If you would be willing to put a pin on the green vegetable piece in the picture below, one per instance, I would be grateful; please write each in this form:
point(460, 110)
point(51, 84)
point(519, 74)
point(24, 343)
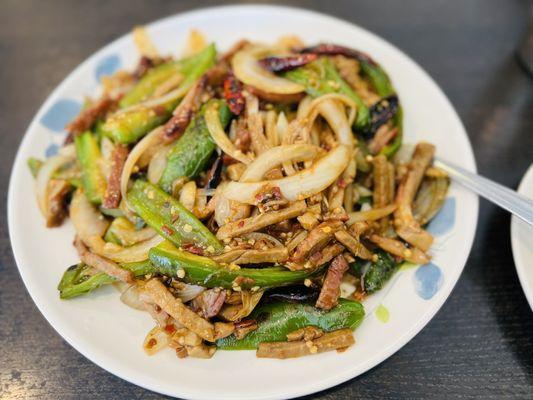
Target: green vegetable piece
point(320, 77)
point(191, 153)
point(34, 164)
point(169, 218)
point(383, 86)
point(375, 274)
point(129, 125)
point(77, 280)
point(88, 154)
point(278, 319)
point(208, 273)
point(160, 74)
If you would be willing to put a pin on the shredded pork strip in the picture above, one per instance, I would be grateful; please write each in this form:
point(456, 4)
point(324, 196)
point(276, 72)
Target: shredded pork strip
point(177, 310)
point(335, 340)
point(103, 264)
point(87, 118)
point(183, 113)
point(330, 292)
point(58, 189)
point(260, 221)
point(399, 249)
point(317, 239)
point(112, 193)
point(353, 245)
point(244, 256)
point(406, 226)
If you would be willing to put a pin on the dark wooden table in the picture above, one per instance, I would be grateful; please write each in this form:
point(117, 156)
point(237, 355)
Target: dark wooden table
point(480, 344)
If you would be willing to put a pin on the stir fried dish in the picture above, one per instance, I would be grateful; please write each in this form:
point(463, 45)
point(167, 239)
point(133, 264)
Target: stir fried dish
point(249, 199)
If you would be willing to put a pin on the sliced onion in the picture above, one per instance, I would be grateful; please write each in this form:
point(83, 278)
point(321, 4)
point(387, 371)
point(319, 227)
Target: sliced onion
point(335, 115)
point(189, 292)
point(146, 142)
point(270, 128)
point(119, 254)
point(248, 70)
point(281, 126)
point(144, 43)
point(175, 94)
point(188, 195)
point(90, 226)
point(299, 186)
point(131, 297)
point(126, 233)
point(87, 221)
point(227, 210)
point(304, 107)
point(214, 126)
point(157, 165)
point(371, 215)
point(254, 122)
point(44, 175)
point(276, 156)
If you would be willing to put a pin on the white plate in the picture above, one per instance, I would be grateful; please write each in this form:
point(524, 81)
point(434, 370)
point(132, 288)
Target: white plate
point(110, 334)
point(522, 241)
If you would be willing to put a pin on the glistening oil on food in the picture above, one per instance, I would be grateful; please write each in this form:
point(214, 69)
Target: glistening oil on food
point(230, 195)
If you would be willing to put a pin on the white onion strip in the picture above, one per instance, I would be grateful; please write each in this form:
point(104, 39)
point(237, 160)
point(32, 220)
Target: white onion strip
point(146, 142)
point(90, 226)
point(248, 70)
point(44, 175)
point(214, 127)
point(299, 186)
point(276, 156)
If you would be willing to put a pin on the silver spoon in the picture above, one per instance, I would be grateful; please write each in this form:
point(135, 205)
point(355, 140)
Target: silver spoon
point(500, 195)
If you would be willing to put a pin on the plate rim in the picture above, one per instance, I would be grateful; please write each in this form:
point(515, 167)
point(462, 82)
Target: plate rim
point(517, 257)
point(309, 388)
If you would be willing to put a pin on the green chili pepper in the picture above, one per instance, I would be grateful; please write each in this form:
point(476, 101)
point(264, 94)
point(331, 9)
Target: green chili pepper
point(76, 280)
point(208, 273)
point(320, 77)
point(278, 319)
point(383, 86)
point(191, 153)
point(88, 154)
point(374, 275)
point(129, 125)
point(162, 73)
point(169, 218)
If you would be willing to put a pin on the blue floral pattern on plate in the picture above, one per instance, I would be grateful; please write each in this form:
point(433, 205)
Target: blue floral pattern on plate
point(444, 220)
point(428, 280)
point(60, 114)
point(107, 66)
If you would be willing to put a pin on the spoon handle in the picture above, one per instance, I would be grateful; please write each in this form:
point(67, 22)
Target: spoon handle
point(500, 195)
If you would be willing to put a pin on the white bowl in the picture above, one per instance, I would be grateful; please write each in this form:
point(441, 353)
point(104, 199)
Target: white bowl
point(110, 334)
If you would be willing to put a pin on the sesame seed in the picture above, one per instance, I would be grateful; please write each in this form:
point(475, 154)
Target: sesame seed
point(187, 228)
point(308, 282)
point(150, 195)
point(237, 288)
point(255, 289)
point(210, 249)
point(326, 229)
point(313, 349)
point(180, 273)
